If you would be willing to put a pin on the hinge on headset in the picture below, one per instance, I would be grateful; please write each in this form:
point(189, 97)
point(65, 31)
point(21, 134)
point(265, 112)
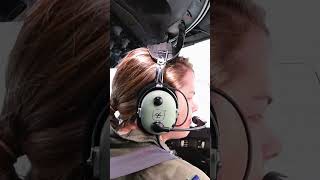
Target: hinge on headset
point(161, 62)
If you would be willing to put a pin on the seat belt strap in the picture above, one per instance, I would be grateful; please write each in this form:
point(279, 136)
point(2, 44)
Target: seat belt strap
point(138, 160)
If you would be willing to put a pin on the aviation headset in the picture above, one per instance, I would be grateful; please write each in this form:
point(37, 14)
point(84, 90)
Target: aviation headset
point(157, 102)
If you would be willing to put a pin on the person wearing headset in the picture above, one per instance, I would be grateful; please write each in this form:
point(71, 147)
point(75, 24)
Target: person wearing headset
point(56, 69)
point(134, 73)
point(239, 61)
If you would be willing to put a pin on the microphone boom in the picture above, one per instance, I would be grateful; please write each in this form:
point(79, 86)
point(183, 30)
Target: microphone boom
point(195, 119)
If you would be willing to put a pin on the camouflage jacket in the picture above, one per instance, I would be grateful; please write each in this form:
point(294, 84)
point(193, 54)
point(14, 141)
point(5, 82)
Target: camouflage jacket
point(176, 169)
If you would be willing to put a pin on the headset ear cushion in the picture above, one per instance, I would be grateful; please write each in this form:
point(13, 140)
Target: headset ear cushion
point(149, 113)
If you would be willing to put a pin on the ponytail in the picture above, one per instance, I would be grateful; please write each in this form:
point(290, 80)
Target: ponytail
point(114, 122)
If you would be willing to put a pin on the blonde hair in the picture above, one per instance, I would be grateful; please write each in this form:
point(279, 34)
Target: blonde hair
point(231, 21)
point(134, 72)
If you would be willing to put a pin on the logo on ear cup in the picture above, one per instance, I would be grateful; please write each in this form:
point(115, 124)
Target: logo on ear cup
point(158, 114)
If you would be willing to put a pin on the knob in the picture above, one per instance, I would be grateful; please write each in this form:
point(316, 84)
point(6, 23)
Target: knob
point(157, 101)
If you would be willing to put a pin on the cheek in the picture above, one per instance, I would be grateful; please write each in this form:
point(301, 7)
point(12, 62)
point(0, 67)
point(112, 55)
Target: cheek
point(233, 149)
point(182, 107)
point(233, 141)
point(257, 159)
point(257, 131)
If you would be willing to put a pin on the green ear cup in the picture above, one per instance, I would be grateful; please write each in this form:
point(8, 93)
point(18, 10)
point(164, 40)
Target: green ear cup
point(158, 106)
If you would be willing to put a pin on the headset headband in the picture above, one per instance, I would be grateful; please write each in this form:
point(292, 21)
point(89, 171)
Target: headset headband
point(169, 50)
